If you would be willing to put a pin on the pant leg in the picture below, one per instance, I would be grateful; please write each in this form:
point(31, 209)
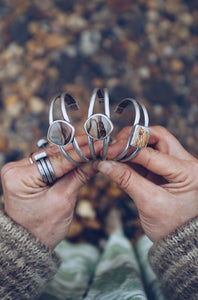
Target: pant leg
point(74, 275)
point(151, 283)
point(117, 275)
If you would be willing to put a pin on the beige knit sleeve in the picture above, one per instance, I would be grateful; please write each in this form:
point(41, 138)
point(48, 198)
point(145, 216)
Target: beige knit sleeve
point(175, 261)
point(25, 263)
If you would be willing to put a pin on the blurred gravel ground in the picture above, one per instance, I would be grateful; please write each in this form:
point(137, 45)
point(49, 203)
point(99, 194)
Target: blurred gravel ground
point(146, 49)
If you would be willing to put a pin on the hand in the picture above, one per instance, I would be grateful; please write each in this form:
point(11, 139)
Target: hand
point(162, 180)
point(45, 211)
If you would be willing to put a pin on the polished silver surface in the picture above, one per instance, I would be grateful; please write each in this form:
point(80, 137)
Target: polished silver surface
point(45, 168)
point(73, 106)
point(99, 126)
point(42, 143)
point(137, 130)
point(61, 132)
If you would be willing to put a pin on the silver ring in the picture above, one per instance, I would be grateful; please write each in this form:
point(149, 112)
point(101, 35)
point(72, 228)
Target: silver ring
point(99, 126)
point(30, 158)
point(45, 168)
point(42, 143)
point(61, 132)
point(139, 134)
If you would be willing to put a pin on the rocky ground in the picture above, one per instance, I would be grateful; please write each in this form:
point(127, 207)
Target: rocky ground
point(146, 49)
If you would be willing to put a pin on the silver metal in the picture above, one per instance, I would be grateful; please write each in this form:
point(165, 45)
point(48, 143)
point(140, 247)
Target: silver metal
point(42, 143)
point(74, 106)
point(136, 128)
point(30, 159)
point(98, 126)
point(45, 168)
point(64, 132)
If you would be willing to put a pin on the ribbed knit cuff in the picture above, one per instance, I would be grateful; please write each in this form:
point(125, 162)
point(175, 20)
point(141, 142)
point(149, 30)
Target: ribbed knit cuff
point(25, 263)
point(175, 261)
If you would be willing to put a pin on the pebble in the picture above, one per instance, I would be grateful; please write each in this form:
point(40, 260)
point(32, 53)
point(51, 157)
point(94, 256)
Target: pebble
point(37, 105)
point(84, 209)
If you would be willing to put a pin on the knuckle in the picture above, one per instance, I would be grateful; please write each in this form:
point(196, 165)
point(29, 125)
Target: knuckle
point(161, 129)
point(152, 154)
point(125, 179)
point(81, 175)
point(7, 170)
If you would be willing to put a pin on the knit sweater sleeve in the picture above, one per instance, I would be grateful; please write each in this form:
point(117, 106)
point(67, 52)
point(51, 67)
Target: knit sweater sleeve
point(25, 263)
point(175, 261)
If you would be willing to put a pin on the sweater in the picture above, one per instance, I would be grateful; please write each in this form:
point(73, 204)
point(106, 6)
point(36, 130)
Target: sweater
point(175, 262)
point(26, 265)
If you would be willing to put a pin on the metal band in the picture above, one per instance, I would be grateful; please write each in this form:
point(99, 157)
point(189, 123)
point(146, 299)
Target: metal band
point(45, 168)
point(50, 169)
point(71, 103)
point(130, 143)
point(42, 172)
point(30, 158)
point(69, 100)
point(99, 123)
point(42, 143)
point(98, 126)
point(68, 157)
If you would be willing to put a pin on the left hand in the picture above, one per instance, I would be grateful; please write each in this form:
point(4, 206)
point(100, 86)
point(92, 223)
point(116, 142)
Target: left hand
point(161, 179)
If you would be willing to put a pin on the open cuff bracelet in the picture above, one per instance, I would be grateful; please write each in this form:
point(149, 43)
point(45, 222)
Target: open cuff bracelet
point(98, 126)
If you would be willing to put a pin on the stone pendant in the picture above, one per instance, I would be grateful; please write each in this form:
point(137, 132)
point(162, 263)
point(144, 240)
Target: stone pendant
point(98, 126)
point(60, 133)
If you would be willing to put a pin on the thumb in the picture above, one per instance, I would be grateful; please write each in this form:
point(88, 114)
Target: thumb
point(71, 182)
point(139, 188)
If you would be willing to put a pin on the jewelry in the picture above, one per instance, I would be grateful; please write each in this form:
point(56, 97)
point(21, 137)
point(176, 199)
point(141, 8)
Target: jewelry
point(73, 106)
point(99, 126)
point(45, 168)
point(139, 135)
point(42, 143)
point(30, 158)
point(61, 132)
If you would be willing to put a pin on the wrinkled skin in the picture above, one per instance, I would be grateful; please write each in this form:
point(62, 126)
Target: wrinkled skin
point(162, 180)
point(45, 211)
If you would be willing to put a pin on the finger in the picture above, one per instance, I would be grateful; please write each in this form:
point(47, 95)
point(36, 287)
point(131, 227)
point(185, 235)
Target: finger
point(74, 181)
point(81, 140)
point(61, 166)
point(139, 188)
point(159, 139)
point(161, 163)
point(116, 148)
point(124, 133)
point(52, 150)
point(155, 161)
point(164, 141)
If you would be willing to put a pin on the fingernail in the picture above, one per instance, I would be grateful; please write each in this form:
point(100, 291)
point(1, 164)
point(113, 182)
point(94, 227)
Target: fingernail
point(104, 167)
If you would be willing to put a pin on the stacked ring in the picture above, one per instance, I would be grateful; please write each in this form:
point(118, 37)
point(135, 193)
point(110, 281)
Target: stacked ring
point(45, 168)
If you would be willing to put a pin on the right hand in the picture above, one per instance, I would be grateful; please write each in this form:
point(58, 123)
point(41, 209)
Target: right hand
point(162, 180)
point(46, 211)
